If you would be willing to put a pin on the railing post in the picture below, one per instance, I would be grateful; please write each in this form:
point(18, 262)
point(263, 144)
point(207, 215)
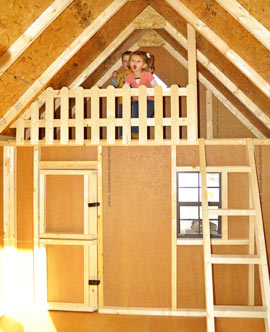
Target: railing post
point(158, 114)
point(192, 130)
point(111, 114)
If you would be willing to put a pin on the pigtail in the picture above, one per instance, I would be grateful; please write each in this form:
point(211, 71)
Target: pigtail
point(150, 62)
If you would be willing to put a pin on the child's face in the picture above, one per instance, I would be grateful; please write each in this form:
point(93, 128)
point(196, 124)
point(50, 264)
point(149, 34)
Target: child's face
point(137, 63)
point(125, 61)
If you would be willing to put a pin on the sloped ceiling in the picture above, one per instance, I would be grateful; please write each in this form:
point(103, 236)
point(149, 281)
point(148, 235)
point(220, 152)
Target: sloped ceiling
point(87, 36)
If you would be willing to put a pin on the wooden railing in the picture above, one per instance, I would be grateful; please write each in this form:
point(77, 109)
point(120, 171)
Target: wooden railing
point(89, 116)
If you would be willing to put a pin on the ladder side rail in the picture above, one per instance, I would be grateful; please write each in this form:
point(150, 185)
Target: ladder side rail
point(208, 275)
point(260, 239)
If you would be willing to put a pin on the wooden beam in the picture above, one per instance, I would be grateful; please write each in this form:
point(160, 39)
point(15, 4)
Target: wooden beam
point(40, 83)
point(105, 54)
point(258, 30)
point(224, 48)
point(31, 34)
point(209, 114)
point(221, 77)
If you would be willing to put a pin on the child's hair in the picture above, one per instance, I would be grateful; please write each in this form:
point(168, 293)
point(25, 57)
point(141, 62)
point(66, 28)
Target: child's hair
point(147, 58)
point(125, 53)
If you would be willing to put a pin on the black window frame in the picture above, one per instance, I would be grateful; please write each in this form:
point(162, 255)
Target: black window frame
point(198, 204)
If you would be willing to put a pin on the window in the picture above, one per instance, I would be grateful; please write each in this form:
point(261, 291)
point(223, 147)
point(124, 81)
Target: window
point(189, 210)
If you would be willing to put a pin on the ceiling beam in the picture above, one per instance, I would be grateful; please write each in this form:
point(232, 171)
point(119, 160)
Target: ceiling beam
point(224, 48)
point(32, 33)
point(39, 84)
point(258, 30)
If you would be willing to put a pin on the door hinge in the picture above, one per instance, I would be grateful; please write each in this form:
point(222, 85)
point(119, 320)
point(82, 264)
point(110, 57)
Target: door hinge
point(93, 204)
point(93, 282)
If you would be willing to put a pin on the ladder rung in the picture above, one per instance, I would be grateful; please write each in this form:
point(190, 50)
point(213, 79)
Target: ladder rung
point(240, 311)
point(232, 212)
point(235, 259)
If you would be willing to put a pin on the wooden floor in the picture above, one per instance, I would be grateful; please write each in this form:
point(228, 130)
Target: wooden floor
point(58, 321)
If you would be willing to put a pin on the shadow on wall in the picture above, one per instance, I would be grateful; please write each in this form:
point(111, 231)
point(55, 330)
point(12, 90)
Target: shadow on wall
point(8, 324)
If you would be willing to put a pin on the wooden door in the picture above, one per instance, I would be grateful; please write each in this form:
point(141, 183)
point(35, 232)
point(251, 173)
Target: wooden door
point(67, 263)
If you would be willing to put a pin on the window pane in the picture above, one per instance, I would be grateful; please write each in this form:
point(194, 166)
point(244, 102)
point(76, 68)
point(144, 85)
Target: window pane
point(212, 179)
point(214, 226)
point(187, 194)
point(211, 207)
point(189, 227)
point(188, 179)
point(189, 212)
point(213, 194)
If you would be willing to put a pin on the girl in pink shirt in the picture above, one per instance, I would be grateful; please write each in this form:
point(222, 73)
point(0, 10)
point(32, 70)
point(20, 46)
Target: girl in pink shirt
point(142, 66)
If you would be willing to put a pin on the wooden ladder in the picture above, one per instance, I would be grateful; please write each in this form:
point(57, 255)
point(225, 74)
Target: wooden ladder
point(260, 258)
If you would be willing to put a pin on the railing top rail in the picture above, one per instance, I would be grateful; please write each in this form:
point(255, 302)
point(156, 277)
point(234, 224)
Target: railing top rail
point(134, 92)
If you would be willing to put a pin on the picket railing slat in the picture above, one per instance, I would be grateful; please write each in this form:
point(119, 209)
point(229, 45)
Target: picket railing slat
point(158, 115)
point(49, 112)
point(64, 105)
point(79, 104)
point(142, 114)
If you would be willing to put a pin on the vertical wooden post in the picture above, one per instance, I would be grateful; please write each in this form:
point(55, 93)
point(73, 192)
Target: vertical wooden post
point(20, 132)
point(208, 276)
point(209, 114)
point(192, 74)
point(10, 227)
point(100, 231)
point(174, 228)
point(251, 251)
point(224, 197)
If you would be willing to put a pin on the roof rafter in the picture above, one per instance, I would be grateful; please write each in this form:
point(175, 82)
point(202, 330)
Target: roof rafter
point(37, 86)
point(224, 48)
point(221, 77)
point(32, 33)
point(258, 30)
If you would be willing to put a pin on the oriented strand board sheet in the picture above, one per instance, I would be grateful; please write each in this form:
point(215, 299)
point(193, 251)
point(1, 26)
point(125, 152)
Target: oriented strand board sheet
point(187, 155)
point(137, 226)
point(16, 17)
point(70, 153)
point(64, 204)
point(65, 273)
point(226, 155)
point(190, 277)
point(260, 9)
point(25, 195)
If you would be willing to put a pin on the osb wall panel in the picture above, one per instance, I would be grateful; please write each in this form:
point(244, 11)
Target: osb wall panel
point(98, 43)
point(1, 200)
point(233, 33)
point(64, 208)
point(25, 196)
point(50, 44)
point(259, 9)
point(226, 124)
point(69, 153)
point(137, 226)
point(65, 273)
point(16, 17)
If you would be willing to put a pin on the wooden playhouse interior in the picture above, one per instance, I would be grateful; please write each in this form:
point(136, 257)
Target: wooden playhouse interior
point(90, 230)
